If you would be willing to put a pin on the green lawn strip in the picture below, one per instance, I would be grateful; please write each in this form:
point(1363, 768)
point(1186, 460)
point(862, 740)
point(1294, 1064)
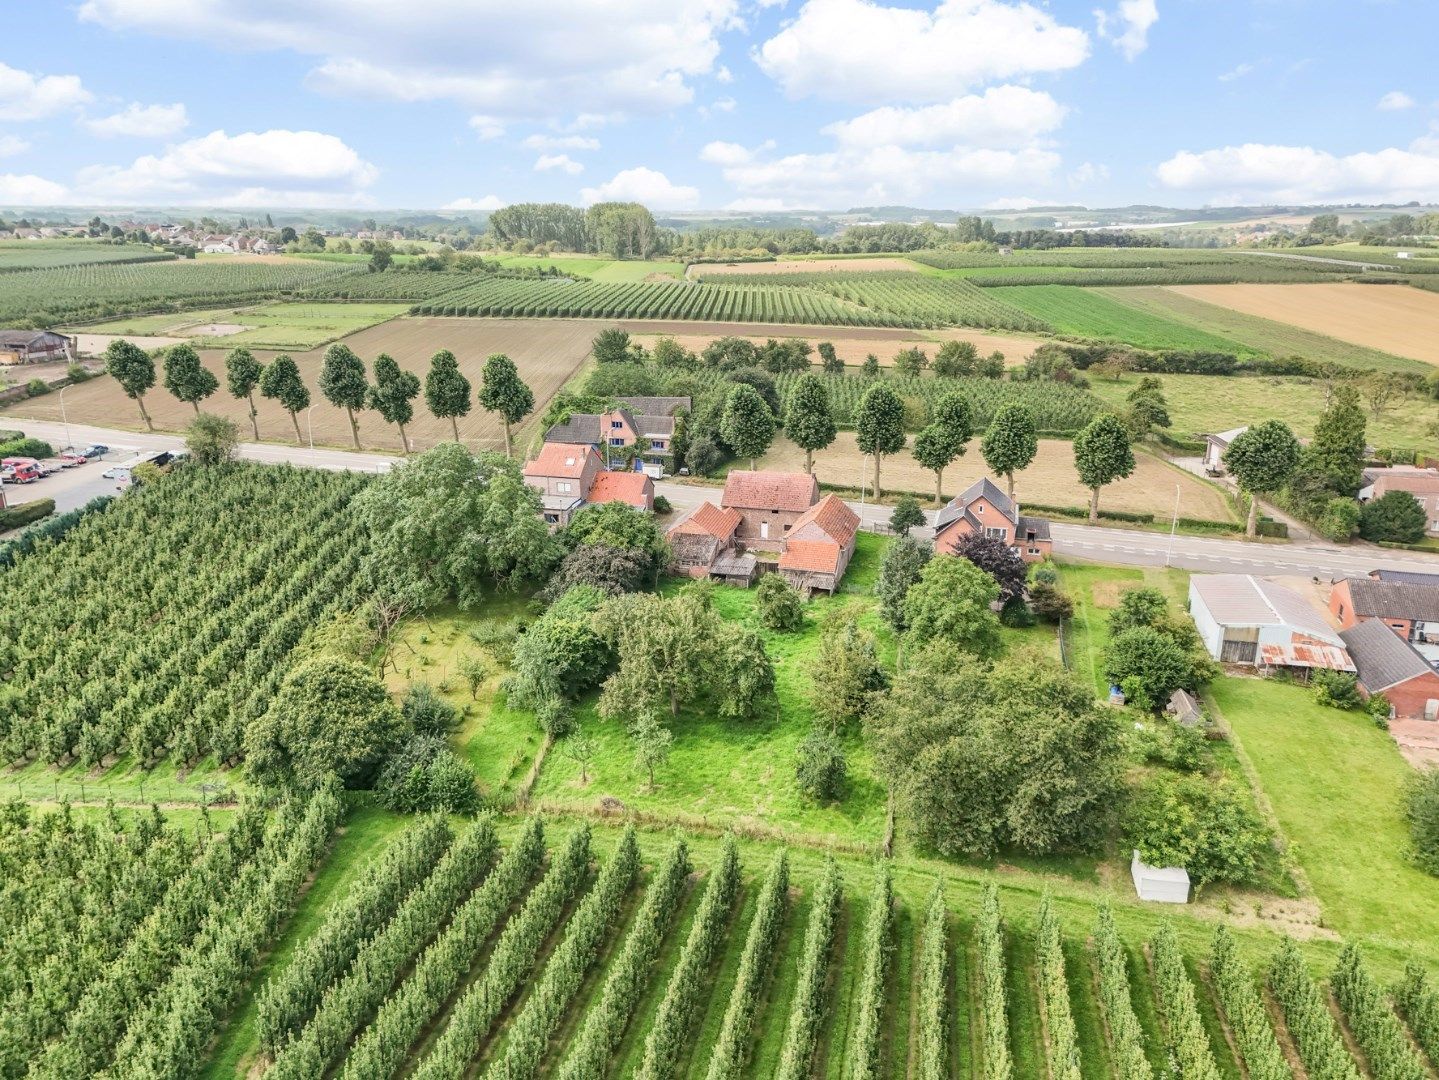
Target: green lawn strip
point(767, 1040)
point(830, 1060)
point(962, 1029)
point(1071, 309)
point(899, 994)
point(1026, 1036)
point(1094, 1060)
point(366, 830)
point(706, 1030)
point(1087, 634)
point(1334, 780)
point(1146, 1007)
point(1224, 1054)
point(631, 1050)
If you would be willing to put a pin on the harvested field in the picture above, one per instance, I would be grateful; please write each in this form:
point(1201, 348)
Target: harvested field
point(1051, 480)
point(547, 352)
point(802, 266)
point(852, 350)
point(1392, 318)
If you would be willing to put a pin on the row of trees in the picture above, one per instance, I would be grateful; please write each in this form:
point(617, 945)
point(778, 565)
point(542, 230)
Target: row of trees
point(343, 382)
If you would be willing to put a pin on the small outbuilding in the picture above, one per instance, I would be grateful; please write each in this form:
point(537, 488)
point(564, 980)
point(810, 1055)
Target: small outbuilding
point(1184, 707)
point(1244, 619)
point(1161, 884)
point(35, 347)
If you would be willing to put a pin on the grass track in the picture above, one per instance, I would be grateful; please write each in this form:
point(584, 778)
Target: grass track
point(899, 994)
point(846, 969)
point(962, 1059)
point(1146, 1008)
point(767, 1040)
point(705, 1032)
point(1026, 1035)
point(1224, 1055)
point(1094, 1060)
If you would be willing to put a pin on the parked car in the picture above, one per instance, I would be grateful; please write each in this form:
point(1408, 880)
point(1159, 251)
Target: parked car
point(94, 450)
point(19, 470)
point(49, 466)
point(71, 459)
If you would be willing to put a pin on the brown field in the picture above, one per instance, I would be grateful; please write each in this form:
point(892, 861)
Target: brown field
point(1050, 480)
point(547, 351)
point(1393, 318)
point(803, 266)
point(851, 343)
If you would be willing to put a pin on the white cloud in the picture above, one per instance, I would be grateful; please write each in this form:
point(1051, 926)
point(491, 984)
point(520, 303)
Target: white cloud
point(1002, 116)
point(1395, 100)
point(545, 59)
point(643, 185)
point(487, 127)
point(561, 142)
point(857, 50)
point(724, 74)
point(1238, 71)
point(487, 204)
point(1256, 172)
point(141, 121)
point(563, 162)
point(1127, 26)
point(1086, 173)
point(29, 190)
point(10, 145)
point(26, 96)
point(725, 153)
point(292, 168)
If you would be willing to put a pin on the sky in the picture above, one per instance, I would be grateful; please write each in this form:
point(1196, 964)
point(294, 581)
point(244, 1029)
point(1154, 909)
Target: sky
point(749, 105)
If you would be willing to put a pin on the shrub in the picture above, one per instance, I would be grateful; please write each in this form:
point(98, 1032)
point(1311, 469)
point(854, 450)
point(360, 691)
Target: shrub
point(14, 517)
point(780, 606)
point(1421, 806)
point(1395, 517)
point(1336, 689)
point(1049, 603)
point(20, 446)
point(1379, 707)
point(1171, 744)
point(820, 766)
point(426, 712)
point(37, 387)
point(1159, 664)
point(662, 505)
point(1340, 519)
point(424, 775)
point(704, 456)
point(78, 373)
point(1207, 827)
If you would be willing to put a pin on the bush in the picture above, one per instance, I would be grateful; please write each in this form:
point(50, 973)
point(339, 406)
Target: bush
point(15, 516)
point(1205, 826)
point(1421, 806)
point(1340, 519)
point(704, 456)
point(37, 387)
point(1016, 614)
point(1336, 689)
point(662, 505)
point(1049, 603)
point(1379, 707)
point(78, 373)
point(1167, 742)
point(819, 765)
point(20, 446)
point(426, 712)
point(424, 775)
point(780, 606)
point(1395, 517)
point(1159, 664)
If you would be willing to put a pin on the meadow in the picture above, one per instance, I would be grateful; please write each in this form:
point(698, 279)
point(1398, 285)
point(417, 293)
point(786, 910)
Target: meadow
point(1086, 313)
point(285, 325)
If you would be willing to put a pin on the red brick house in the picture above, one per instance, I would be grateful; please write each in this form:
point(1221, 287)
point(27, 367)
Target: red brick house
point(703, 545)
point(1423, 484)
point(569, 477)
point(1410, 610)
point(1389, 665)
point(769, 504)
point(982, 508)
point(819, 546)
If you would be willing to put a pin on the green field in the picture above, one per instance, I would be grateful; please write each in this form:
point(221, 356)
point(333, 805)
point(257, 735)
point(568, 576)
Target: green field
point(1081, 312)
point(18, 255)
point(294, 326)
point(1199, 404)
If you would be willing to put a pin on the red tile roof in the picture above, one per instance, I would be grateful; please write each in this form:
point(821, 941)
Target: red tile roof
point(810, 556)
point(559, 459)
point(770, 491)
point(833, 516)
point(709, 520)
point(633, 488)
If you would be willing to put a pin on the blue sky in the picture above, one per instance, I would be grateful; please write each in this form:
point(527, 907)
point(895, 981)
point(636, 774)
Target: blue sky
point(714, 104)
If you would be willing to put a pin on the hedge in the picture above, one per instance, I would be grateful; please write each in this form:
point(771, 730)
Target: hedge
point(25, 447)
point(15, 516)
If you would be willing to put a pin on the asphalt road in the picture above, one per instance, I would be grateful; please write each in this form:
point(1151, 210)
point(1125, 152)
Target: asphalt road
point(1129, 547)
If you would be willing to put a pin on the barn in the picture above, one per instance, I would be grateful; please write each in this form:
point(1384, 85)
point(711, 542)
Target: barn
point(1391, 666)
point(35, 347)
point(1243, 619)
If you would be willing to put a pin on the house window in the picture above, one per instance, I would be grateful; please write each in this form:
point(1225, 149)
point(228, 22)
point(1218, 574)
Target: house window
point(657, 444)
point(1341, 611)
point(1034, 551)
point(617, 442)
point(617, 423)
point(564, 487)
point(764, 530)
point(998, 534)
point(979, 508)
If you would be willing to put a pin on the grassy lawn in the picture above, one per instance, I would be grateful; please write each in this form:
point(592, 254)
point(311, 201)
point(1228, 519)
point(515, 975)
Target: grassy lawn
point(272, 326)
point(1095, 591)
point(1082, 312)
point(1202, 403)
point(1334, 779)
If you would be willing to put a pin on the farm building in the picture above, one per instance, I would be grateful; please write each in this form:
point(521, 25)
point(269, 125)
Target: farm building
point(1412, 577)
point(703, 544)
point(1423, 484)
point(983, 508)
point(1243, 619)
point(35, 347)
point(769, 504)
point(1214, 447)
point(1411, 611)
point(1389, 665)
point(652, 419)
point(819, 546)
point(569, 478)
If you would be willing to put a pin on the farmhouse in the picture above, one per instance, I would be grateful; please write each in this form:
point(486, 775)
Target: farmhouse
point(35, 347)
point(982, 508)
point(1389, 665)
point(1411, 611)
point(1243, 619)
point(703, 544)
point(651, 421)
point(769, 504)
point(1423, 484)
point(819, 546)
point(571, 477)
point(1214, 447)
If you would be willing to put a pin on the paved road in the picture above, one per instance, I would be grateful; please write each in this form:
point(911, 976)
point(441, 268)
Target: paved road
point(1127, 547)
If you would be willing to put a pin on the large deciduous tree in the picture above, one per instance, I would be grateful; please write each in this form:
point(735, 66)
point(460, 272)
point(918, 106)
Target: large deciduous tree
point(342, 381)
point(998, 560)
point(879, 426)
point(447, 392)
point(935, 449)
point(393, 393)
point(951, 602)
point(1010, 443)
point(131, 367)
point(187, 378)
point(1262, 459)
point(1102, 455)
point(1336, 453)
point(747, 423)
point(242, 376)
point(281, 382)
point(503, 392)
point(899, 569)
point(809, 417)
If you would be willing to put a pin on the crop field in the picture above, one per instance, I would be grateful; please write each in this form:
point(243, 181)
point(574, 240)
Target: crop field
point(391, 285)
point(1256, 334)
point(1050, 481)
point(1419, 261)
point(863, 264)
point(547, 354)
point(1127, 266)
point(47, 254)
point(267, 326)
point(1391, 318)
point(56, 297)
point(849, 347)
point(1086, 313)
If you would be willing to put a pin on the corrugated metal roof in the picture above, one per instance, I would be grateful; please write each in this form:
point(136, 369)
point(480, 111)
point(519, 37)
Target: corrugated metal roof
point(1306, 655)
point(1245, 600)
point(1394, 599)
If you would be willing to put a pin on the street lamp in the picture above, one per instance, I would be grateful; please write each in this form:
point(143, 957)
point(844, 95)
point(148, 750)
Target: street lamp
point(69, 445)
point(1173, 527)
point(310, 426)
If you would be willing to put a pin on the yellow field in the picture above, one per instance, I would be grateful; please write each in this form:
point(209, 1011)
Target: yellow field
point(1393, 318)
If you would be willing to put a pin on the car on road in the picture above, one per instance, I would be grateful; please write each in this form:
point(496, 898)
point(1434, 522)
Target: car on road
point(20, 470)
point(71, 459)
point(94, 450)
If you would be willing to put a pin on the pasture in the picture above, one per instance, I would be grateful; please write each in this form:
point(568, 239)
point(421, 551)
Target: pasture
point(1050, 481)
point(1392, 318)
point(547, 354)
point(1086, 313)
point(293, 325)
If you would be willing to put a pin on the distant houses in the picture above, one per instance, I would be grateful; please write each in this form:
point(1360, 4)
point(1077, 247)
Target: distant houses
point(1214, 447)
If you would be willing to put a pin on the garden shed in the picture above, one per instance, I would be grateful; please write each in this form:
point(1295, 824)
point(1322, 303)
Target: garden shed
point(1162, 884)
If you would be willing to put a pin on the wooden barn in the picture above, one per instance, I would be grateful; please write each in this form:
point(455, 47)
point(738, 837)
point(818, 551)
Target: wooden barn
point(35, 347)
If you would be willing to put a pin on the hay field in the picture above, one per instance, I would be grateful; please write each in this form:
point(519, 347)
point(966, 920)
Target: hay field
point(1392, 318)
point(850, 347)
point(547, 351)
point(1051, 480)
